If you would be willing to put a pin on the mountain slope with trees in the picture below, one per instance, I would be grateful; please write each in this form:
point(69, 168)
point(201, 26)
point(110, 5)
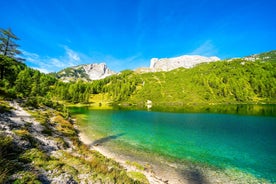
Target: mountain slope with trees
point(234, 81)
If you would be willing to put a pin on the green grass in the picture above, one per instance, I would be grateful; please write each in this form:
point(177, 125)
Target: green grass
point(136, 165)
point(26, 177)
point(4, 106)
point(64, 126)
point(36, 156)
point(9, 157)
point(6, 165)
point(22, 132)
point(137, 176)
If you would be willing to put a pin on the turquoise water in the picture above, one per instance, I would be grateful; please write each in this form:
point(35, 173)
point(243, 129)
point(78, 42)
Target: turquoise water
point(247, 143)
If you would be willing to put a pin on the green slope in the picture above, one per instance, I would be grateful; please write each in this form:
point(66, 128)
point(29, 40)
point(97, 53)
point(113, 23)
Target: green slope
point(235, 81)
point(72, 74)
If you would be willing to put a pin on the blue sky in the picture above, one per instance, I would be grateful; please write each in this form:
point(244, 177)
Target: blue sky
point(126, 34)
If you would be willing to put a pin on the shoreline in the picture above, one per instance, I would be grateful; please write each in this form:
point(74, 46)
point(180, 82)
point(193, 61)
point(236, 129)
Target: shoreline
point(164, 172)
point(155, 174)
point(49, 154)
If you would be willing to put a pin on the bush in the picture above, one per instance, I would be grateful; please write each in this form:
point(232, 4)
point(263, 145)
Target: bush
point(137, 176)
point(26, 177)
point(35, 155)
point(9, 153)
point(31, 102)
point(4, 107)
point(64, 126)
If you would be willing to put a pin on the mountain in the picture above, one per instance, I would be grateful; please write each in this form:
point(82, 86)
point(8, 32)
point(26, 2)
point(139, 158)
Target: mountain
point(92, 72)
point(86, 72)
point(190, 61)
point(186, 61)
point(265, 56)
point(168, 64)
point(232, 81)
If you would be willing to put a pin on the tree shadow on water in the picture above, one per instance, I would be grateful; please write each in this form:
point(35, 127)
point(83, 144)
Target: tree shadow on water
point(106, 139)
point(194, 176)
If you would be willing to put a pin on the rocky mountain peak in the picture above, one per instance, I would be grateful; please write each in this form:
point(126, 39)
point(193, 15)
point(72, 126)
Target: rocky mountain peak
point(186, 61)
point(97, 71)
point(87, 72)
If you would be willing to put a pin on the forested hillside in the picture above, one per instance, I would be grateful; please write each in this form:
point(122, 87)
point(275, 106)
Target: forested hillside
point(230, 81)
point(236, 81)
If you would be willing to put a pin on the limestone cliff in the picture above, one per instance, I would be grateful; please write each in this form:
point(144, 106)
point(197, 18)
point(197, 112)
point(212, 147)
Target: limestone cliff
point(186, 61)
point(86, 72)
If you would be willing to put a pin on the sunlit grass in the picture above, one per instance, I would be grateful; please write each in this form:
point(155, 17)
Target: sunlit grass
point(137, 176)
point(4, 106)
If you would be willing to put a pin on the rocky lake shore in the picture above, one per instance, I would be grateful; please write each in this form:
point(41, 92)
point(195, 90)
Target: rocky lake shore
point(41, 146)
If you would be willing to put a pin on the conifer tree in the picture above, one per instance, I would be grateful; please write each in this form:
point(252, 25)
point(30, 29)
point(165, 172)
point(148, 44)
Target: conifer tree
point(8, 49)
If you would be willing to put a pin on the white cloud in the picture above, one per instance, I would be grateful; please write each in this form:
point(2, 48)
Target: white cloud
point(48, 64)
point(41, 70)
point(205, 49)
point(131, 62)
point(72, 55)
point(57, 63)
point(34, 59)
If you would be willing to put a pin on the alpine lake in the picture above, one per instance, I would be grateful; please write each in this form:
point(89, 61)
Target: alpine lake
point(236, 140)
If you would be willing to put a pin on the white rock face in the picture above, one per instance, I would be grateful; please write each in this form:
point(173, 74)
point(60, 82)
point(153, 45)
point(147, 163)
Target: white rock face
point(186, 61)
point(85, 72)
point(97, 71)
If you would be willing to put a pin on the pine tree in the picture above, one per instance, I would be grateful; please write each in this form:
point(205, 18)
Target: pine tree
point(8, 49)
point(7, 46)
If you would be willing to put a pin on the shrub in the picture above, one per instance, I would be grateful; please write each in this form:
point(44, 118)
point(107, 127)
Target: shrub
point(136, 165)
point(26, 177)
point(4, 107)
point(64, 126)
point(31, 102)
point(36, 156)
point(137, 176)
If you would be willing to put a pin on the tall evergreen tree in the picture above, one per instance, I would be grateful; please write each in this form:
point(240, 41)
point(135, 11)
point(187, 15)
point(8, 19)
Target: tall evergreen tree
point(8, 49)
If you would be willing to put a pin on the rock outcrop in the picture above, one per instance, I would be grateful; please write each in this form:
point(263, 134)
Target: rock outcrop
point(86, 72)
point(97, 71)
point(186, 61)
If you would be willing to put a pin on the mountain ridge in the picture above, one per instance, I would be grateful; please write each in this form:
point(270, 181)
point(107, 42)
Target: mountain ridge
point(97, 71)
point(185, 61)
point(87, 72)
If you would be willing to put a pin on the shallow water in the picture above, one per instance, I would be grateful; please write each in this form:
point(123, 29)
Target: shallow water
point(243, 142)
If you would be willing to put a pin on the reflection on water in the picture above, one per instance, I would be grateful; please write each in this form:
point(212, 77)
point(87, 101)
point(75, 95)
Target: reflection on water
point(242, 109)
point(106, 139)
